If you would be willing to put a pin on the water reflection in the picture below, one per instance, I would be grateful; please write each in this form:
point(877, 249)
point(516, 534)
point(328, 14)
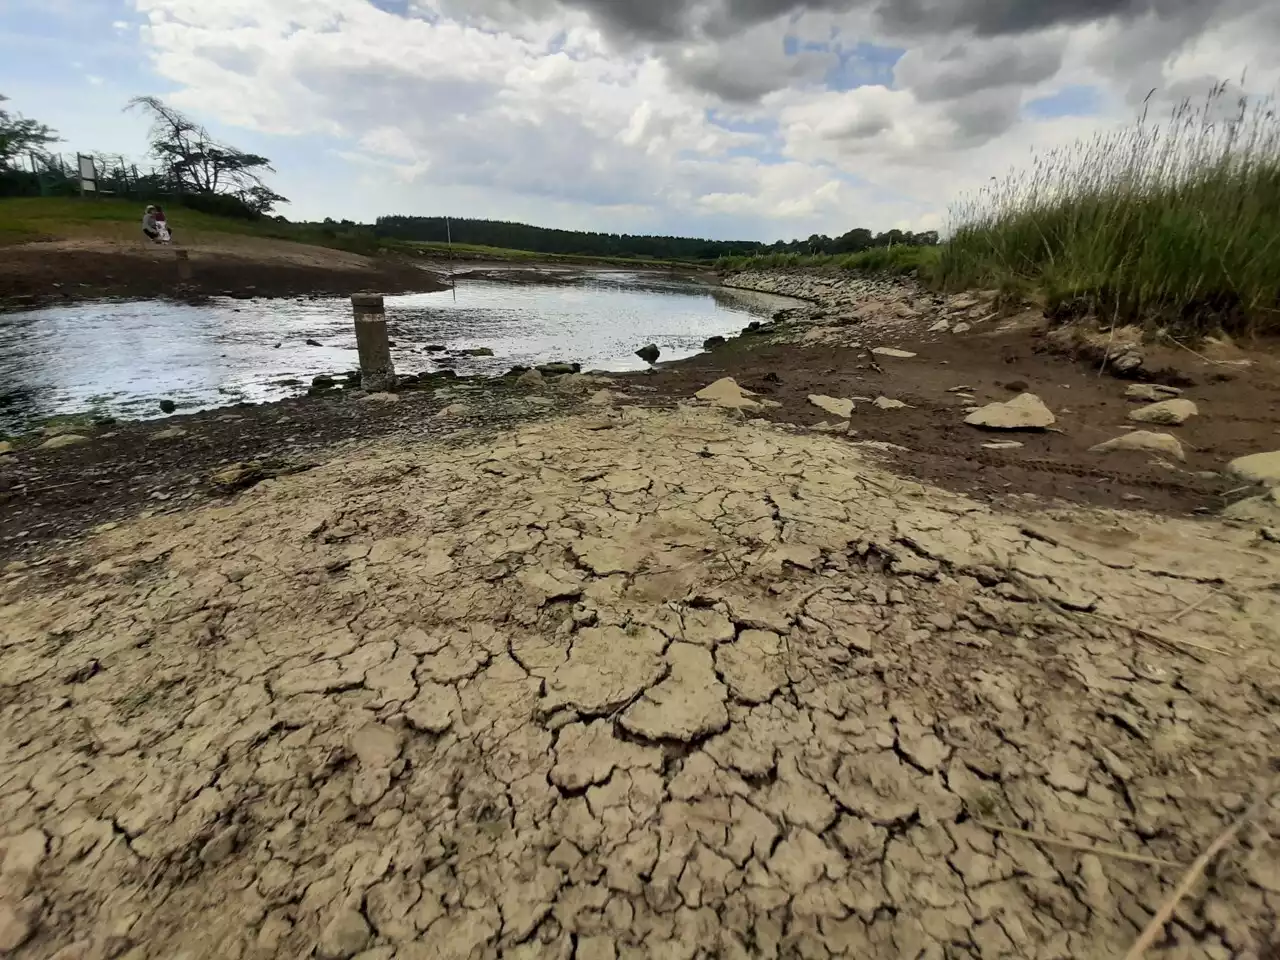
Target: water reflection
point(122, 358)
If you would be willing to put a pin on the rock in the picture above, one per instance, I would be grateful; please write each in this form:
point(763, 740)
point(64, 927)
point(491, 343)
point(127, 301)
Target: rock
point(167, 406)
point(884, 403)
point(833, 405)
point(476, 352)
point(893, 352)
point(1024, 412)
point(63, 440)
point(1151, 392)
point(603, 398)
point(220, 846)
point(344, 936)
point(531, 380)
point(559, 369)
point(1167, 412)
point(237, 476)
point(649, 354)
point(380, 398)
point(322, 382)
point(314, 343)
point(172, 433)
point(712, 342)
point(5, 447)
point(726, 393)
point(436, 348)
point(1002, 445)
point(942, 326)
point(962, 328)
point(1143, 441)
point(455, 410)
point(1127, 364)
point(1261, 468)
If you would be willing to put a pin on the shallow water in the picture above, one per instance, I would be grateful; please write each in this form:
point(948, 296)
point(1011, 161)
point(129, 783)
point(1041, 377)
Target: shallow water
point(121, 359)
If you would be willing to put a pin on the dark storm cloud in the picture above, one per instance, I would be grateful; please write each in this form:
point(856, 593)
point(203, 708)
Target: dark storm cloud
point(667, 20)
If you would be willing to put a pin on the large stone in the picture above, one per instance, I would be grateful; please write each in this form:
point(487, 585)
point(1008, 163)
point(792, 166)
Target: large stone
point(1143, 441)
point(5, 447)
point(531, 380)
point(65, 440)
point(1168, 413)
point(726, 393)
point(1024, 412)
point(833, 405)
point(1261, 468)
point(893, 353)
point(558, 368)
point(649, 354)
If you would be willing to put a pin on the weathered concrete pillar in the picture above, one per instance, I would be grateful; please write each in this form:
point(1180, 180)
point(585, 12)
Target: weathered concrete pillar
point(377, 373)
point(184, 264)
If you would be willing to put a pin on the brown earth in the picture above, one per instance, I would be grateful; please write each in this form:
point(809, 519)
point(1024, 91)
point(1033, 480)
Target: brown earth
point(37, 274)
point(829, 355)
point(632, 685)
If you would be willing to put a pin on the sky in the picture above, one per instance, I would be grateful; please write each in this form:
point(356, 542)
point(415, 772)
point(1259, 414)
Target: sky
point(731, 119)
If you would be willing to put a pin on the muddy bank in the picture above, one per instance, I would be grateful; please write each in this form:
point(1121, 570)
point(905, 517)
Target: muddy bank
point(965, 354)
point(40, 274)
point(635, 685)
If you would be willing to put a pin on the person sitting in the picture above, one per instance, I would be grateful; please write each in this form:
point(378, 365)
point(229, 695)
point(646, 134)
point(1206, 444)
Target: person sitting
point(155, 226)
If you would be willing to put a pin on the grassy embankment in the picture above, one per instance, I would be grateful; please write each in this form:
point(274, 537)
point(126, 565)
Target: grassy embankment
point(25, 219)
point(1175, 223)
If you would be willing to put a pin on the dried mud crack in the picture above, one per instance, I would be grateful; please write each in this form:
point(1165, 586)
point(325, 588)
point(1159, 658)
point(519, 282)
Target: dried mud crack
point(643, 684)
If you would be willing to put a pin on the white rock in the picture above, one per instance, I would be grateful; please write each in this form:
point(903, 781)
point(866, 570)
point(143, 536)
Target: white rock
point(962, 328)
point(454, 410)
point(5, 447)
point(942, 326)
point(1166, 412)
point(383, 397)
point(1258, 468)
point(63, 440)
point(1151, 392)
point(1024, 412)
point(892, 352)
point(1002, 445)
point(1144, 441)
point(884, 403)
point(726, 393)
point(833, 405)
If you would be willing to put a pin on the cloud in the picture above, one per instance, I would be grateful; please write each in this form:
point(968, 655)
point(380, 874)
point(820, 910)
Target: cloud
point(754, 118)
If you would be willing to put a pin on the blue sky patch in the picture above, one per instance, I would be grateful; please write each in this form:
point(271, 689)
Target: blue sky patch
point(1077, 100)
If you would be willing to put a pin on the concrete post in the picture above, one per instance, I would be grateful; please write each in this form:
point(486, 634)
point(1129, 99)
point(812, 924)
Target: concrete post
point(184, 264)
point(377, 373)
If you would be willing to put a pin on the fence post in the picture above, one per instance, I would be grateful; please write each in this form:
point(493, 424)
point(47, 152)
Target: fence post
point(377, 373)
point(184, 264)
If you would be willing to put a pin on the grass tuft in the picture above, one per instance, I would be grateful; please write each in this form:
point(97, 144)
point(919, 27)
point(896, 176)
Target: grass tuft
point(1174, 224)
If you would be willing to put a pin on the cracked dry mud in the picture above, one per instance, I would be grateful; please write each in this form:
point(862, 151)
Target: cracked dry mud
point(682, 686)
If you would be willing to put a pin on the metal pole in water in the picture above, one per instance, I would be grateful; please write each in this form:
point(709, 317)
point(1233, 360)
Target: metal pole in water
point(448, 233)
point(377, 372)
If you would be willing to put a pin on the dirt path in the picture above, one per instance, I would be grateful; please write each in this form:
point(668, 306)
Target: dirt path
point(60, 271)
point(634, 684)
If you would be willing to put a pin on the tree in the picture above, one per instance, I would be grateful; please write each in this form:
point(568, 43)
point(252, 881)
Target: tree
point(194, 162)
point(18, 135)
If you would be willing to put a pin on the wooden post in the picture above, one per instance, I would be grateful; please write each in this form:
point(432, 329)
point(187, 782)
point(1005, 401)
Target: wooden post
point(377, 373)
point(184, 264)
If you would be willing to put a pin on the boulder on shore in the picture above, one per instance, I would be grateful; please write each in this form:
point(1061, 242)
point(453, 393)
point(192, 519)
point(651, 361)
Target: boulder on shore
point(649, 354)
point(1170, 413)
point(1024, 412)
point(558, 368)
point(1143, 441)
point(712, 342)
point(726, 393)
point(1261, 468)
point(843, 409)
point(63, 440)
point(167, 406)
point(531, 380)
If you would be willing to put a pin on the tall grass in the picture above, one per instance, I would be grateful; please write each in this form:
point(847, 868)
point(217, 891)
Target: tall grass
point(896, 260)
point(1175, 222)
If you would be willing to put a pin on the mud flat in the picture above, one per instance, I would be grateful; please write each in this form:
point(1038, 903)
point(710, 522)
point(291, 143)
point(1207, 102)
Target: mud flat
point(635, 683)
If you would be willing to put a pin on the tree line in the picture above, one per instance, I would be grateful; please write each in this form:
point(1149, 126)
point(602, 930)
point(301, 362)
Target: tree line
point(190, 166)
point(522, 236)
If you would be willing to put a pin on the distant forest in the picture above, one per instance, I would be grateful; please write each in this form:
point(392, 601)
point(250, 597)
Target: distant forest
point(520, 236)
